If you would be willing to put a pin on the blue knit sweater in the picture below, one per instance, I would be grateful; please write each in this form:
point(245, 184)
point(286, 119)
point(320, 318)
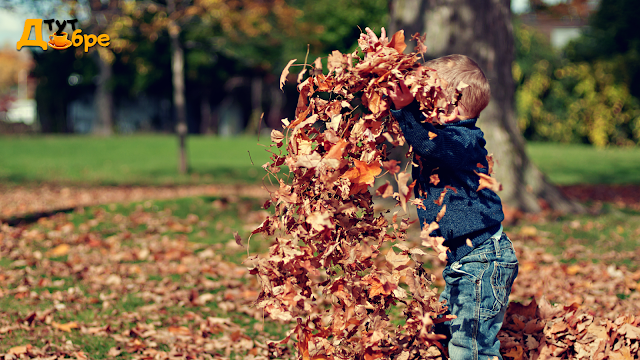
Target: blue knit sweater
point(456, 151)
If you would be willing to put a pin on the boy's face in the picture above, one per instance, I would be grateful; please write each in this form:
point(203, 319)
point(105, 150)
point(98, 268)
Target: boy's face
point(461, 115)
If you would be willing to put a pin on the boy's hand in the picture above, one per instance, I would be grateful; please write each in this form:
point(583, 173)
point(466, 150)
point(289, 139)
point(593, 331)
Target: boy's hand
point(400, 94)
point(369, 39)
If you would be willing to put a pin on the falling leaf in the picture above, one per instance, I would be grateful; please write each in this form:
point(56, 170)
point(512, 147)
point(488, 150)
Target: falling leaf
point(385, 190)
point(434, 179)
point(336, 60)
point(285, 72)
point(309, 161)
point(440, 199)
point(490, 162)
point(403, 189)
point(238, 238)
point(301, 74)
point(397, 260)
point(397, 41)
point(363, 173)
point(487, 182)
point(318, 220)
point(441, 213)
point(277, 136)
point(391, 166)
point(336, 150)
point(419, 203)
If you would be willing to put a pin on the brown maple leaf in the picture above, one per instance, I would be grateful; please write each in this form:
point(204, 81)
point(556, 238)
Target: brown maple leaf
point(385, 190)
point(337, 150)
point(363, 173)
point(397, 41)
point(391, 166)
point(487, 182)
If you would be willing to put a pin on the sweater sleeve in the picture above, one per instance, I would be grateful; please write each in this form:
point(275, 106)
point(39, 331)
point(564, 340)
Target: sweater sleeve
point(449, 145)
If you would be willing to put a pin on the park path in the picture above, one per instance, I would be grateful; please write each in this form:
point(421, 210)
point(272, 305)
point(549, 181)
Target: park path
point(19, 201)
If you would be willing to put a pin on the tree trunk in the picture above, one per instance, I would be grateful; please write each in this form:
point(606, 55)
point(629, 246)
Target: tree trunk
point(205, 114)
point(481, 29)
point(277, 103)
point(104, 96)
point(253, 127)
point(177, 70)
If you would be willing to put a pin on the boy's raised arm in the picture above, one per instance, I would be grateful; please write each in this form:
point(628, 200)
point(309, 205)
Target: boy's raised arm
point(450, 146)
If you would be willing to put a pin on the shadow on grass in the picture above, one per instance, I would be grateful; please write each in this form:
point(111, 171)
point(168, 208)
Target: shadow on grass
point(34, 217)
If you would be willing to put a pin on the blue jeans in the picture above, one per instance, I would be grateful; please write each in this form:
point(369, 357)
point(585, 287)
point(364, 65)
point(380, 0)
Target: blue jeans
point(477, 292)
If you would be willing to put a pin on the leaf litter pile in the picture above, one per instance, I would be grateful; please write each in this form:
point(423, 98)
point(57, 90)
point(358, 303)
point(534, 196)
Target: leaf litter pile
point(130, 285)
point(329, 271)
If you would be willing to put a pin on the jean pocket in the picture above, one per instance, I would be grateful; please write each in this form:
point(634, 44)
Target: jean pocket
point(502, 279)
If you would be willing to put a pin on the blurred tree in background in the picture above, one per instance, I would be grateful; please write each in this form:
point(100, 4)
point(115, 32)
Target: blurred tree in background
point(233, 52)
point(586, 93)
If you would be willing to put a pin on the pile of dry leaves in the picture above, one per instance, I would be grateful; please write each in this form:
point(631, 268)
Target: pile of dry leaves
point(541, 331)
point(324, 269)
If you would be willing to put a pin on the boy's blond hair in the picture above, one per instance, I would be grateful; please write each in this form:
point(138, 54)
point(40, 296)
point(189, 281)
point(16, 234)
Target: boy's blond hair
point(457, 68)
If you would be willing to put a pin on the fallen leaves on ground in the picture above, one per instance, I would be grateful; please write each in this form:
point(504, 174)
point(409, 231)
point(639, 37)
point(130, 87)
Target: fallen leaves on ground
point(621, 195)
point(156, 295)
point(19, 201)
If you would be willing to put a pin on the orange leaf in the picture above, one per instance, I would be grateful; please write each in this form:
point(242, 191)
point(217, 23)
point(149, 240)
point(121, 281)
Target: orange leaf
point(487, 182)
point(19, 350)
point(397, 42)
point(65, 327)
point(179, 330)
point(434, 179)
point(516, 353)
point(285, 72)
point(440, 199)
point(59, 250)
point(336, 150)
point(441, 212)
point(363, 173)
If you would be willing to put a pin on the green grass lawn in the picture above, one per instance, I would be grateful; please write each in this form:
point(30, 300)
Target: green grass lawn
point(129, 160)
point(152, 160)
point(567, 164)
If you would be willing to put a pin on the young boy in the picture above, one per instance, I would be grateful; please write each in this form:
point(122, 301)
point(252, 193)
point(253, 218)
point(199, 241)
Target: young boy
point(481, 264)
